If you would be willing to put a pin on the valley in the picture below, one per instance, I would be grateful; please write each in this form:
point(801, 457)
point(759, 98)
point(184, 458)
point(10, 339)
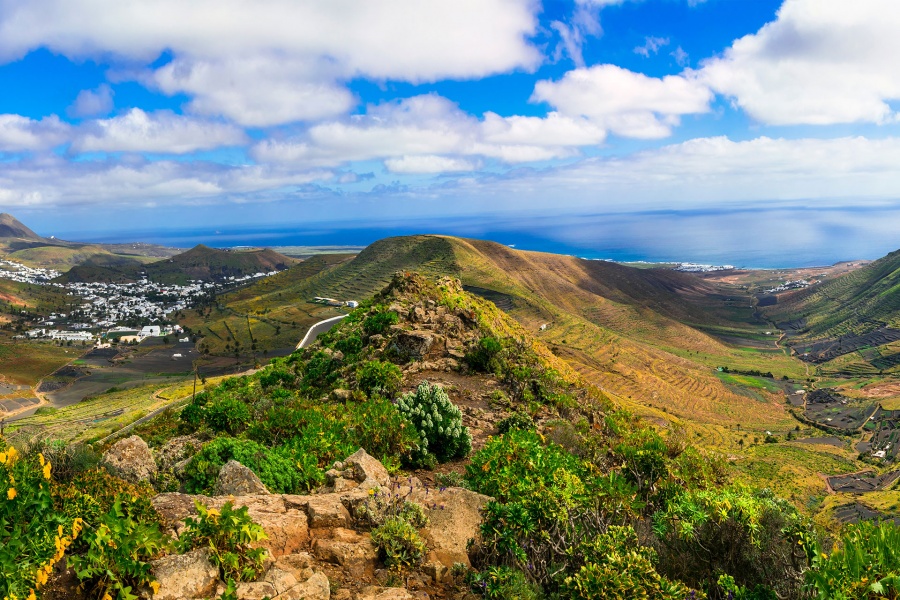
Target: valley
point(734, 359)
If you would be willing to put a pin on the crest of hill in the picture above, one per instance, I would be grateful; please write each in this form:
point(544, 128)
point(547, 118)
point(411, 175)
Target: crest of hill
point(853, 304)
point(201, 262)
point(10, 227)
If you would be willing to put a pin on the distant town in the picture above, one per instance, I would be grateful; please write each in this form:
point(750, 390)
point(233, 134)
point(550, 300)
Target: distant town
point(110, 310)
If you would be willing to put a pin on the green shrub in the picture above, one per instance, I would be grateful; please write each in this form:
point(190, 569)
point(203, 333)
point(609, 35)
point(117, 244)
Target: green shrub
point(379, 378)
point(750, 535)
point(618, 567)
point(515, 421)
point(383, 505)
point(33, 535)
point(278, 472)
point(118, 550)
point(502, 583)
point(68, 459)
point(228, 535)
point(438, 421)
point(865, 564)
point(380, 321)
point(320, 372)
point(227, 415)
point(398, 543)
point(485, 355)
point(381, 429)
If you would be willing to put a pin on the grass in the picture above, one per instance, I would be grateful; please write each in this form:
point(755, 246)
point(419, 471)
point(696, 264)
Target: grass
point(27, 362)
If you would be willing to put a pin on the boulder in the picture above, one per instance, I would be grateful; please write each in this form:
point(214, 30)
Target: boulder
point(454, 517)
point(364, 468)
point(413, 345)
point(316, 587)
point(380, 593)
point(237, 480)
point(177, 451)
point(184, 576)
point(130, 459)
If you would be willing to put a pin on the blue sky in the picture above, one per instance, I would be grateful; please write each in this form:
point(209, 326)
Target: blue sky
point(480, 117)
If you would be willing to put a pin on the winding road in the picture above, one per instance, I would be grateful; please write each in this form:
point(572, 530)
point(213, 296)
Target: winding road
point(317, 330)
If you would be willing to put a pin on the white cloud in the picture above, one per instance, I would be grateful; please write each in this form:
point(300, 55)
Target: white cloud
point(246, 59)
point(161, 131)
point(91, 103)
point(429, 164)
point(414, 131)
point(651, 46)
point(255, 91)
point(627, 103)
point(820, 62)
point(18, 133)
point(52, 181)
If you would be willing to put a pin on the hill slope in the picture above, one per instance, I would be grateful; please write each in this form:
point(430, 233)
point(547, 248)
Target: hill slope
point(10, 227)
point(853, 320)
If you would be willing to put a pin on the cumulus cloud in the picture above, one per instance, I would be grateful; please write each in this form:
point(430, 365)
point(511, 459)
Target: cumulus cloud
point(819, 62)
point(429, 164)
point(411, 134)
point(53, 181)
point(248, 60)
point(18, 133)
point(627, 103)
point(92, 103)
point(161, 132)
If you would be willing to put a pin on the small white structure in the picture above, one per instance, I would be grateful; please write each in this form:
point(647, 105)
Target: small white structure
point(150, 331)
point(352, 303)
point(176, 356)
point(184, 340)
point(879, 454)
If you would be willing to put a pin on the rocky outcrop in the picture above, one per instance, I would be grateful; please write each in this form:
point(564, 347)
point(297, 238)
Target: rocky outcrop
point(454, 516)
point(131, 460)
point(413, 345)
point(380, 593)
point(358, 470)
point(185, 576)
point(237, 480)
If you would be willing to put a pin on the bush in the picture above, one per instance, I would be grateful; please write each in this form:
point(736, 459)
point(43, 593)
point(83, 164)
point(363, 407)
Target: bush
point(386, 504)
point(398, 543)
point(68, 459)
point(33, 536)
point(515, 421)
point(228, 535)
point(380, 321)
point(379, 378)
point(227, 415)
point(617, 566)
point(502, 583)
point(118, 550)
point(485, 355)
point(866, 564)
point(438, 421)
point(278, 472)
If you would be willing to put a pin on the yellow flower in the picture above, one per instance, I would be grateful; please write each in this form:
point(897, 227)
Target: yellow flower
point(106, 596)
point(47, 471)
point(2, 460)
point(154, 585)
point(59, 531)
point(31, 596)
point(41, 458)
point(11, 493)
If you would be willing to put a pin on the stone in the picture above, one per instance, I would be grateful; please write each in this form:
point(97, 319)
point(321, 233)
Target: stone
point(317, 587)
point(413, 345)
point(454, 517)
point(358, 556)
point(237, 480)
point(257, 590)
point(177, 451)
point(365, 468)
point(280, 579)
point(327, 510)
point(340, 395)
point(185, 576)
point(299, 565)
point(131, 460)
point(380, 593)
